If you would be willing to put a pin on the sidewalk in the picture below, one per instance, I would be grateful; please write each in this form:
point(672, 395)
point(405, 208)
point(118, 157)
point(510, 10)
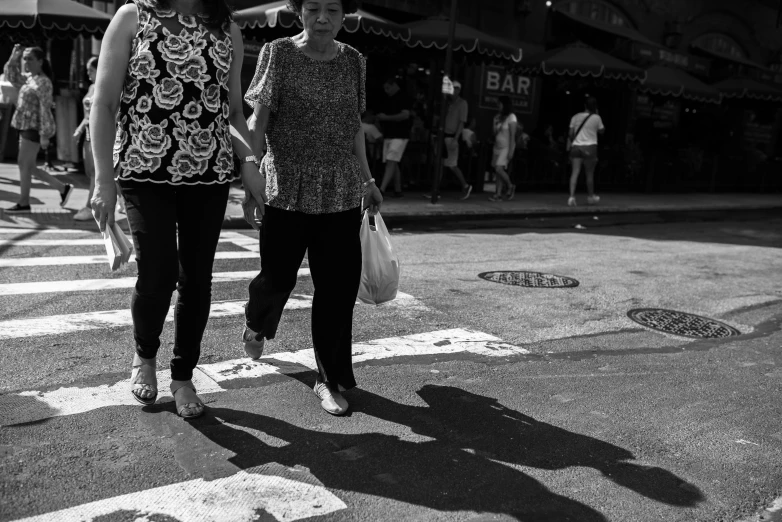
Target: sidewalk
point(46, 211)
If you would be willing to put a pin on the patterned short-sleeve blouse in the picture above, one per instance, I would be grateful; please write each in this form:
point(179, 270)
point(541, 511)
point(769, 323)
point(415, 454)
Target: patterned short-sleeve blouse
point(173, 118)
point(310, 165)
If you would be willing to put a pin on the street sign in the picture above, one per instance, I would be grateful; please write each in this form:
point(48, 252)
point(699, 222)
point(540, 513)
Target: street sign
point(496, 82)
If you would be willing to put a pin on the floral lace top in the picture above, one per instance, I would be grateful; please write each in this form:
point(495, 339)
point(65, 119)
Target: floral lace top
point(315, 106)
point(173, 119)
point(34, 105)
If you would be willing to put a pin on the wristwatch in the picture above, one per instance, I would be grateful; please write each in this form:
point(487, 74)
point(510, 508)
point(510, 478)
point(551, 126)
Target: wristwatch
point(251, 158)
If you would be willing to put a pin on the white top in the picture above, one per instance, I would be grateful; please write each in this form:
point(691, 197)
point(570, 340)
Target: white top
point(502, 130)
point(588, 134)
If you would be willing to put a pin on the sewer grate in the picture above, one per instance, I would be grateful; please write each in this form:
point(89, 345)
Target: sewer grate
point(681, 323)
point(529, 279)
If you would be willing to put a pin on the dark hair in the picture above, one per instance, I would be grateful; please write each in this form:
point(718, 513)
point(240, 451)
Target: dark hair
point(217, 13)
point(348, 6)
point(591, 104)
point(507, 105)
point(391, 79)
point(46, 68)
point(93, 62)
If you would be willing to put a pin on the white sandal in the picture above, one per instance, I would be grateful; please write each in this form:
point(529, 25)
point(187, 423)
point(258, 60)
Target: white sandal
point(188, 410)
point(137, 387)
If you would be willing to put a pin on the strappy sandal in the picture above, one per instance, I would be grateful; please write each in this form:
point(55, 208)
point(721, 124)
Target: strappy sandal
point(138, 387)
point(188, 410)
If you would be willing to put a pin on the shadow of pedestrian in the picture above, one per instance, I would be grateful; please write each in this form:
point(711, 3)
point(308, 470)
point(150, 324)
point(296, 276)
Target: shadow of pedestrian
point(468, 459)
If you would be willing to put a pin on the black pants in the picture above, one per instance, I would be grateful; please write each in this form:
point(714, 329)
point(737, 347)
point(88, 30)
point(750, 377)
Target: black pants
point(158, 214)
point(334, 252)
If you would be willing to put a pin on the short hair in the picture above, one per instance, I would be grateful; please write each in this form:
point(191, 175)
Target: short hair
point(93, 62)
point(507, 104)
point(348, 6)
point(591, 104)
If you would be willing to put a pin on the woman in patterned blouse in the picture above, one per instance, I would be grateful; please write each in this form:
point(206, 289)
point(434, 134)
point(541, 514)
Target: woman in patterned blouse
point(307, 96)
point(170, 72)
point(33, 119)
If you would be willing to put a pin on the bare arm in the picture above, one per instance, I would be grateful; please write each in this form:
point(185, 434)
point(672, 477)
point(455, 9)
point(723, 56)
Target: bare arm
point(13, 68)
point(512, 127)
point(372, 197)
point(402, 116)
point(112, 66)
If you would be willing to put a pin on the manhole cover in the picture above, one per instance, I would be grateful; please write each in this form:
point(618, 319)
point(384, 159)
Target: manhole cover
point(681, 323)
point(532, 279)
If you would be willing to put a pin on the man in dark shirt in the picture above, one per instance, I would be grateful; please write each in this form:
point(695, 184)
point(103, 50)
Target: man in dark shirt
point(395, 120)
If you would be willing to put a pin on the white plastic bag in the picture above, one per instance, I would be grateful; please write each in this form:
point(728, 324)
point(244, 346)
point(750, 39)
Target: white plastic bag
point(379, 263)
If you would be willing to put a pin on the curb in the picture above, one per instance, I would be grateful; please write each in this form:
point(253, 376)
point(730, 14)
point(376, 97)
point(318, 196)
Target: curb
point(61, 218)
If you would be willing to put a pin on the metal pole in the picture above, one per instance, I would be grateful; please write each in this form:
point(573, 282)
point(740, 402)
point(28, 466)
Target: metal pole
point(438, 171)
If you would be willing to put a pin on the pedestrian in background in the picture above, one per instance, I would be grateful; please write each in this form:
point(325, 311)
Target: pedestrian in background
point(307, 96)
point(85, 214)
point(584, 128)
point(29, 71)
point(455, 118)
point(396, 122)
point(504, 125)
point(170, 72)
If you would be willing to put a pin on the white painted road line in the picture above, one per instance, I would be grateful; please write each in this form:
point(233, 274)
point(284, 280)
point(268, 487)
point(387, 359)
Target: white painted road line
point(238, 239)
point(26, 231)
point(457, 340)
point(73, 323)
point(16, 408)
point(237, 498)
point(97, 260)
point(91, 285)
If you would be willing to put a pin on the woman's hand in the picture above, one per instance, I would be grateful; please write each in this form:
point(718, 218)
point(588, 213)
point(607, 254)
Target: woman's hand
point(78, 132)
point(44, 143)
point(372, 199)
point(104, 201)
point(255, 194)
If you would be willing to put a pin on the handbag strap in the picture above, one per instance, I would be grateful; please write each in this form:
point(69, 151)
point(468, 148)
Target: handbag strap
point(581, 126)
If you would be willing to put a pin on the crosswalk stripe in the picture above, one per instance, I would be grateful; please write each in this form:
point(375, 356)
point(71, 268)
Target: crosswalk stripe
point(24, 231)
point(72, 323)
point(98, 260)
point(237, 498)
point(91, 242)
point(16, 408)
point(91, 285)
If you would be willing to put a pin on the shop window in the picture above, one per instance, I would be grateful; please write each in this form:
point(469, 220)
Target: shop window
point(720, 44)
point(596, 10)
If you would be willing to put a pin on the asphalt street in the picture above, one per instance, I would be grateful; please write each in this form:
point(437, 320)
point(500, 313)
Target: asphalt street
point(477, 400)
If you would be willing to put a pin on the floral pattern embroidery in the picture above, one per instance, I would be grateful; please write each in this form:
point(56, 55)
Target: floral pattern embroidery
point(173, 122)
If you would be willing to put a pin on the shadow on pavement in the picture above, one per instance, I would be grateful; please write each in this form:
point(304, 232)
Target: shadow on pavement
point(738, 227)
point(460, 469)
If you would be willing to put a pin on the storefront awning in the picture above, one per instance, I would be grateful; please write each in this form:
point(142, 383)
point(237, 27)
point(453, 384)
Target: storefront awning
point(434, 33)
point(52, 18)
point(729, 57)
point(277, 13)
point(674, 82)
point(741, 88)
point(617, 30)
point(582, 60)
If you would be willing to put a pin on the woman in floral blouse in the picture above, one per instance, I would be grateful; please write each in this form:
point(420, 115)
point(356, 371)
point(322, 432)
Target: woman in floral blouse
point(172, 69)
point(33, 119)
point(307, 96)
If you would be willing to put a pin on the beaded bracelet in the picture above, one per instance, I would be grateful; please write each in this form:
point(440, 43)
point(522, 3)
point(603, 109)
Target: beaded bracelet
point(370, 180)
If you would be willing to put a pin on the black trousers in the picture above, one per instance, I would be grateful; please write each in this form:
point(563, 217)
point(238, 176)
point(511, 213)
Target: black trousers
point(159, 215)
point(334, 252)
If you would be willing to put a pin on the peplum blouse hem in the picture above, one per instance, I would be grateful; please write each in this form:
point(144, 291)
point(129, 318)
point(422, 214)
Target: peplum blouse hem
point(315, 112)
